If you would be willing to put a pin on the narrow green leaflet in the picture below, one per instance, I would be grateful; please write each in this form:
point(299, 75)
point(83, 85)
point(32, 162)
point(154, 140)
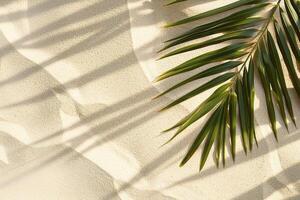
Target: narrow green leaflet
point(287, 57)
point(223, 130)
point(216, 11)
point(242, 114)
point(240, 24)
point(296, 6)
point(203, 109)
point(227, 53)
point(272, 76)
point(174, 2)
point(251, 92)
point(293, 41)
point(201, 136)
point(211, 138)
point(240, 34)
point(246, 95)
point(269, 102)
point(234, 18)
point(293, 17)
point(219, 138)
point(232, 122)
point(217, 95)
point(277, 64)
point(206, 73)
point(214, 82)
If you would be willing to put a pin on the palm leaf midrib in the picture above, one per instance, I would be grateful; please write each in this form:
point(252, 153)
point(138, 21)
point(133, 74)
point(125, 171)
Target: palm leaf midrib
point(260, 36)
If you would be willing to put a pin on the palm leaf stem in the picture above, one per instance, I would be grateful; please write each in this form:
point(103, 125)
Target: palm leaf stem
point(260, 36)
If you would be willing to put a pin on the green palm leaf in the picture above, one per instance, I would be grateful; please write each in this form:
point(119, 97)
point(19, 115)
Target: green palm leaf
point(253, 46)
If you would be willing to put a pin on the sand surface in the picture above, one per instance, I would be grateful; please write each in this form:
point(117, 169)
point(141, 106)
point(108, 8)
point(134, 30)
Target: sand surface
point(77, 120)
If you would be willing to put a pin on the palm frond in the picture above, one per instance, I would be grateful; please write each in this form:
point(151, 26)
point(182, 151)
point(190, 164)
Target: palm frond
point(258, 33)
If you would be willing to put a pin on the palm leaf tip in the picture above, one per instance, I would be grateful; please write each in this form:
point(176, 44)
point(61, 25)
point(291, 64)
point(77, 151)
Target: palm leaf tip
point(174, 2)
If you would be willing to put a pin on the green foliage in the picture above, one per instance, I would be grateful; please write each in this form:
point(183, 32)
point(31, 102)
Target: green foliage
point(247, 27)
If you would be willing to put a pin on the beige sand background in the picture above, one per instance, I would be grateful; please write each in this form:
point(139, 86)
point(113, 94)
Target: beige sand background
point(77, 120)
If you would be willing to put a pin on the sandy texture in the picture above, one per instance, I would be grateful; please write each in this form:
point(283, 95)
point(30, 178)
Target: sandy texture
point(77, 120)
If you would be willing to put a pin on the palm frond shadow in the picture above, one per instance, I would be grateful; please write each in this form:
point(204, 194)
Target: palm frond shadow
point(138, 105)
point(292, 172)
point(293, 198)
point(95, 39)
point(179, 147)
point(86, 78)
point(33, 11)
point(36, 38)
point(90, 42)
point(144, 112)
point(264, 149)
point(31, 162)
